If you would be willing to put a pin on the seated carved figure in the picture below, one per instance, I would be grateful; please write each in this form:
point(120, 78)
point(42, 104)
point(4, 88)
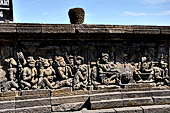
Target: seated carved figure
point(48, 74)
point(3, 79)
point(63, 72)
point(11, 74)
point(144, 72)
point(81, 76)
point(108, 74)
point(165, 73)
point(29, 77)
point(161, 76)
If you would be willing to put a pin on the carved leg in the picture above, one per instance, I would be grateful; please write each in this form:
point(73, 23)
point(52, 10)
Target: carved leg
point(26, 84)
point(150, 77)
point(47, 83)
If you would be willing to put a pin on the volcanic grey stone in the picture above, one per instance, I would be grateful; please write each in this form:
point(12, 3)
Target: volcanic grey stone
point(106, 104)
point(7, 28)
point(37, 109)
point(32, 102)
point(161, 99)
point(28, 28)
point(129, 110)
point(67, 107)
point(65, 28)
point(99, 111)
point(137, 101)
point(136, 94)
point(160, 93)
point(105, 96)
point(69, 99)
point(7, 111)
point(7, 103)
point(35, 92)
point(156, 109)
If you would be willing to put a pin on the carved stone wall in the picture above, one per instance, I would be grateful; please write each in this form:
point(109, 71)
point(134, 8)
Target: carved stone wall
point(81, 58)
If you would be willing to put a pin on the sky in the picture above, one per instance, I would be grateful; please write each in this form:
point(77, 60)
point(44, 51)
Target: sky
point(115, 12)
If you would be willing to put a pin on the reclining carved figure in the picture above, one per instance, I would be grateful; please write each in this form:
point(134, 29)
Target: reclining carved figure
point(108, 74)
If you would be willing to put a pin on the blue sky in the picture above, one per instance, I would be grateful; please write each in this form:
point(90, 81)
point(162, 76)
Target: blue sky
point(117, 12)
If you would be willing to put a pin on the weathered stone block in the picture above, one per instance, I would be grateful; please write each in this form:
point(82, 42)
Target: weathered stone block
point(69, 99)
point(129, 110)
point(7, 111)
point(68, 107)
point(37, 109)
point(35, 92)
point(61, 92)
point(146, 31)
point(105, 96)
point(8, 94)
point(106, 104)
point(7, 28)
point(99, 111)
point(136, 94)
point(7, 105)
point(64, 28)
point(160, 92)
point(165, 31)
point(32, 102)
point(28, 28)
point(161, 99)
point(156, 109)
point(137, 101)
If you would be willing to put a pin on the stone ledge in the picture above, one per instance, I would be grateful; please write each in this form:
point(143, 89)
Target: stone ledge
point(156, 109)
point(81, 28)
point(140, 109)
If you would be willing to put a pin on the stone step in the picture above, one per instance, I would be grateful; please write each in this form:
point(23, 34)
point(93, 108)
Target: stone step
point(69, 99)
point(116, 103)
point(35, 109)
point(110, 100)
point(139, 109)
point(130, 94)
point(78, 100)
point(107, 96)
point(161, 100)
point(127, 102)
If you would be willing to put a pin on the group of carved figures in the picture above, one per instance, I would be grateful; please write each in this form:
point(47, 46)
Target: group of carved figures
point(70, 71)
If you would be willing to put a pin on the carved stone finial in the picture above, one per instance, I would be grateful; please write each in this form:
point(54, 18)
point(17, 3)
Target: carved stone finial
point(76, 15)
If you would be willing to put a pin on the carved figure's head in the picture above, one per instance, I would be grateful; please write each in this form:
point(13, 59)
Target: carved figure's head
point(105, 57)
point(11, 62)
point(71, 58)
point(143, 59)
point(59, 61)
point(46, 63)
point(31, 61)
point(163, 64)
point(50, 60)
point(79, 60)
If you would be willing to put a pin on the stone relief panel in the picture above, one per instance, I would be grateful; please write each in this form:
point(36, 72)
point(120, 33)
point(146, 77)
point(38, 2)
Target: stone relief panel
point(36, 65)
